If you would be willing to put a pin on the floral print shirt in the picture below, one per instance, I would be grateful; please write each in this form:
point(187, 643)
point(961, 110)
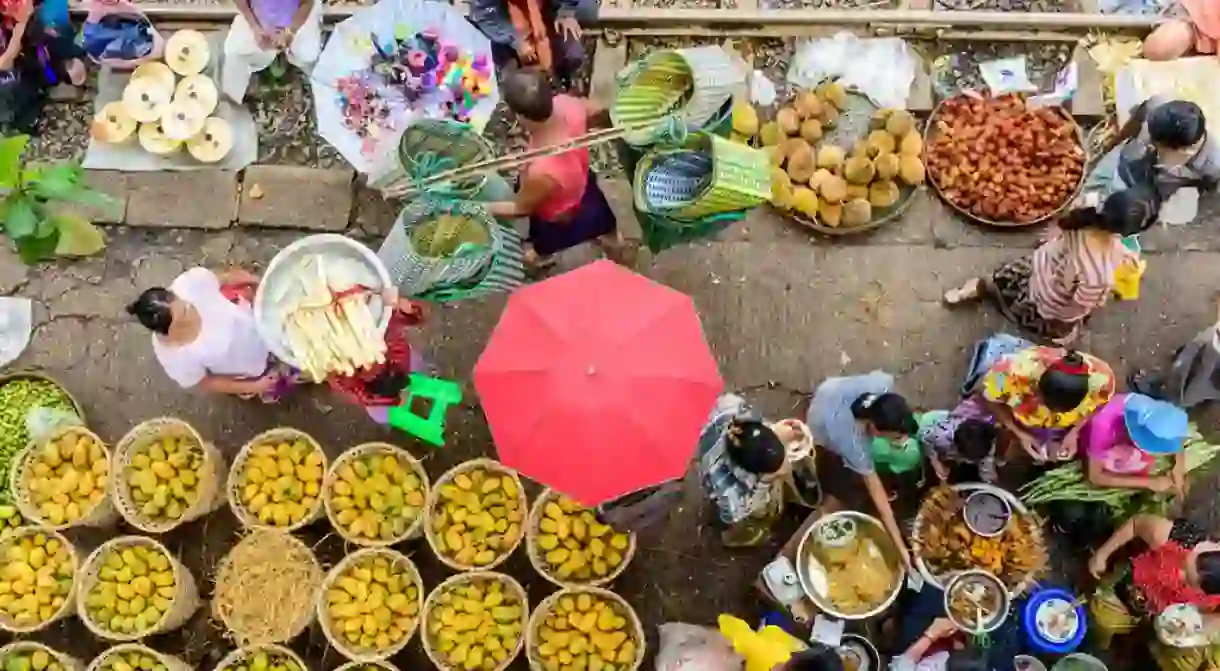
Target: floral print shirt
point(1013, 381)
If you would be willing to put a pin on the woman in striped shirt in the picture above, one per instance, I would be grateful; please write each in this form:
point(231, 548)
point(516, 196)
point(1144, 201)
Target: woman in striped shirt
point(1051, 292)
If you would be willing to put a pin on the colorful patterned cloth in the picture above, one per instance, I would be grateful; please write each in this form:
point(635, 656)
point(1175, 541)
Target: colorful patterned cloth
point(1013, 381)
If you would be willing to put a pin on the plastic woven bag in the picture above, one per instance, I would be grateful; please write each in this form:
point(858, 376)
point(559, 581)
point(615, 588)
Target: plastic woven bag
point(686, 647)
point(436, 243)
point(43, 423)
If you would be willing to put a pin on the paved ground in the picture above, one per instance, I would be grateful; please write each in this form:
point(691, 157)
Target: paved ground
point(781, 311)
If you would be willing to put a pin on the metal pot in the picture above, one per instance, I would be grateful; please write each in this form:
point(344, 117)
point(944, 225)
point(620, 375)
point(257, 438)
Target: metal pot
point(976, 575)
point(862, 522)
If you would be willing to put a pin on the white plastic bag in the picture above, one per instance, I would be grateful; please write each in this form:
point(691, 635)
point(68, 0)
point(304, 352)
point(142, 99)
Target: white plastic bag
point(42, 423)
point(881, 68)
point(16, 323)
point(1006, 75)
point(687, 647)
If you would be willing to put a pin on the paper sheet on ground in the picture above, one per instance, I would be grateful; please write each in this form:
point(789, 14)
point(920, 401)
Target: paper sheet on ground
point(1192, 79)
point(131, 157)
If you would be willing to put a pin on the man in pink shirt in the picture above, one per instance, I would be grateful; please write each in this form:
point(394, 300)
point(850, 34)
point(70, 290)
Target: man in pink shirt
point(1123, 439)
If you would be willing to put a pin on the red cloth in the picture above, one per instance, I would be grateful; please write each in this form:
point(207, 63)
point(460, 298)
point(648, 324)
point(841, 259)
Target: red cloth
point(1160, 575)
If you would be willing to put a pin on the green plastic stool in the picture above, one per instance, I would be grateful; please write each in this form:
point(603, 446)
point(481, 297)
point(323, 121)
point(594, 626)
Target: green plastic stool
point(430, 429)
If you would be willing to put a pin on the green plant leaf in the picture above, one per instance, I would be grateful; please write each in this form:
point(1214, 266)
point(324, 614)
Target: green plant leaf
point(57, 182)
point(77, 236)
point(32, 249)
point(11, 151)
point(45, 228)
point(22, 220)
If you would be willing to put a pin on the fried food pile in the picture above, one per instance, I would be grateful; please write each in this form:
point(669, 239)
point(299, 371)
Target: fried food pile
point(946, 544)
point(857, 574)
point(1002, 160)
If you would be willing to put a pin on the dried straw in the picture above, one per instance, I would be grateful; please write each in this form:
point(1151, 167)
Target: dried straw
point(265, 588)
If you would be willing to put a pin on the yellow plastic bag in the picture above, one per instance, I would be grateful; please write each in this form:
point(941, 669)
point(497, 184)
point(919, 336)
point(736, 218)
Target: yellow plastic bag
point(762, 649)
point(1127, 278)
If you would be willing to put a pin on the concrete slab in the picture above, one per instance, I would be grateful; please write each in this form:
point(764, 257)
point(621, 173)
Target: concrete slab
point(374, 215)
point(1088, 105)
point(196, 199)
point(113, 184)
point(311, 199)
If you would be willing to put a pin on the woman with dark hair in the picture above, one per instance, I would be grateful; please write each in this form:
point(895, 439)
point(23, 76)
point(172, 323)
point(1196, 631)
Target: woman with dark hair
point(846, 415)
point(1071, 274)
point(740, 460)
point(1043, 395)
point(34, 58)
point(204, 334)
point(559, 193)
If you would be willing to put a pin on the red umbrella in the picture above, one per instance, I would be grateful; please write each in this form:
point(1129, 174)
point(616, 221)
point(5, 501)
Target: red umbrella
point(597, 382)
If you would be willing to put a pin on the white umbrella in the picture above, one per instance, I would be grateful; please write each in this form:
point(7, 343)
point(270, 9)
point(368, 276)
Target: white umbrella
point(350, 49)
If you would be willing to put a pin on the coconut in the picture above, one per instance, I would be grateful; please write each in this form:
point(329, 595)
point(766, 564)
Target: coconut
point(113, 124)
point(146, 98)
point(213, 142)
point(834, 189)
point(900, 123)
point(911, 145)
point(771, 134)
point(154, 141)
point(182, 120)
point(789, 121)
point(811, 130)
point(830, 214)
point(857, 212)
point(833, 93)
point(781, 186)
point(805, 201)
point(883, 193)
point(187, 52)
point(857, 191)
point(880, 142)
point(886, 166)
point(859, 170)
point(830, 157)
point(808, 105)
point(911, 170)
point(198, 90)
point(801, 164)
point(158, 71)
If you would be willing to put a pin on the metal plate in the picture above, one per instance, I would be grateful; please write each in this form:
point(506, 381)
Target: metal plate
point(1084, 173)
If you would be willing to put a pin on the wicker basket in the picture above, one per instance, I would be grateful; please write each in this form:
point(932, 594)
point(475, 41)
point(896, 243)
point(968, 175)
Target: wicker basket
point(313, 581)
point(434, 498)
point(171, 662)
point(673, 91)
point(420, 255)
point(336, 639)
point(211, 471)
point(32, 375)
point(413, 530)
point(532, 533)
point(103, 514)
point(431, 146)
point(66, 609)
point(185, 602)
point(707, 175)
point(510, 584)
point(929, 134)
point(626, 611)
point(236, 657)
point(359, 666)
point(65, 660)
point(250, 520)
point(505, 273)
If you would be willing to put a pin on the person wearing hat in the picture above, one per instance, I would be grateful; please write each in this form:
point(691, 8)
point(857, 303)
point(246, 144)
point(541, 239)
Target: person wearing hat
point(261, 30)
point(1123, 439)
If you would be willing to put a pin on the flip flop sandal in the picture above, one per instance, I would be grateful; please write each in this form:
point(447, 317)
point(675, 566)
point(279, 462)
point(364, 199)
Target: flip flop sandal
point(969, 293)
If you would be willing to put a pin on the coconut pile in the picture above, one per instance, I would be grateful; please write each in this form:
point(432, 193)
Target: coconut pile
point(165, 113)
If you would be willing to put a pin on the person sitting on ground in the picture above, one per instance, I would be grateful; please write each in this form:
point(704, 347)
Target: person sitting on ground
point(260, 31)
point(205, 337)
point(33, 61)
point(961, 443)
point(558, 193)
point(1191, 27)
point(380, 388)
point(1164, 145)
point(1123, 439)
point(515, 39)
point(1052, 292)
point(740, 460)
point(845, 415)
point(1043, 395)
point(1193, 377)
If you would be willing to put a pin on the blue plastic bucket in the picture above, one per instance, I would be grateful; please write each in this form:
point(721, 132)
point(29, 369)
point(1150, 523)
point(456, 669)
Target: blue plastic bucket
point(1039, 643)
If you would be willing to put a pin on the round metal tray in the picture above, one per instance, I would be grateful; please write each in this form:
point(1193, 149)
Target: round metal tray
point(852, 126)
point(964, 489)
point(802, 565)
point(1080, 141)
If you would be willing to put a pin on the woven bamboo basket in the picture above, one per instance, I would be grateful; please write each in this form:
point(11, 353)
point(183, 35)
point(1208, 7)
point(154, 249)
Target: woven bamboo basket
point(311, 581)
point(365, 666)
point(532, 532)
point(64, 610)
point(707, 175)
point(171, 662)
point(431, 146)
point(250, 520)
point(102, 514)
point(930, 134)
point(438, 244)
point(65, 660)
point(337, 639)
point(433, 498)
point(430, 646)
point(211, 471)
point(184, 604)
point(413, 530)
point(275, 652)
point(32, 375)
point(544, 608)
point(672, 91)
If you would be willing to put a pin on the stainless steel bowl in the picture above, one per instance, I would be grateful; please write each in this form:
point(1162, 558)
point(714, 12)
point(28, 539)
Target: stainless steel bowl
point(877, 532)
point(974, 500)
point(976, 575)
point(862, 646)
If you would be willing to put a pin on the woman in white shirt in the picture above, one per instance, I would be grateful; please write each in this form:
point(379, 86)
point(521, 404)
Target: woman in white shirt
point(204, 333)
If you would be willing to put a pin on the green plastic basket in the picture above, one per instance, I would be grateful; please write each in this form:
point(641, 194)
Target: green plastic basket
point(431, 146)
